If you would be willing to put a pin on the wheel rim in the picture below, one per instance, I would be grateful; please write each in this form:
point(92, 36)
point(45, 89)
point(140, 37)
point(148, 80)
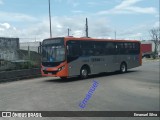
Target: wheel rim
point(84, 73)
point(123, 68)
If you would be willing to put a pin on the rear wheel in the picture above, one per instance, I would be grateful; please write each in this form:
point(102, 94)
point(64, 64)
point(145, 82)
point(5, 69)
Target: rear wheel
point(123, 67)
point(84, 72)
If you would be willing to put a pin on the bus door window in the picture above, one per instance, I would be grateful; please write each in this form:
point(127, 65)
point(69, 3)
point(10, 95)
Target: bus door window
point(73, 48)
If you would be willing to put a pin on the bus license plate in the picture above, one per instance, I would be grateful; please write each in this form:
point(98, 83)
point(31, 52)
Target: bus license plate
point(49, 73)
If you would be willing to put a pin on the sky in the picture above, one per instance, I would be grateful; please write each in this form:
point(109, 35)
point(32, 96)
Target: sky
point(28, 19)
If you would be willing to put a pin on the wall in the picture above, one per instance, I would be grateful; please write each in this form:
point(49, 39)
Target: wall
point(19, 74)
point(8, 48)
point(9, 43)
point(8, 52)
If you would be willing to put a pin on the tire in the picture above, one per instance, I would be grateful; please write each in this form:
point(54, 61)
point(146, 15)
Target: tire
point(63, 78)
point(84, 73)
point(123, 68)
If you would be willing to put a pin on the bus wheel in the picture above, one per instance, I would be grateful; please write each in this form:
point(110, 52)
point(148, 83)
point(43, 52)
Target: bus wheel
point(84, 72)
point(63, 78)
point(123, 67)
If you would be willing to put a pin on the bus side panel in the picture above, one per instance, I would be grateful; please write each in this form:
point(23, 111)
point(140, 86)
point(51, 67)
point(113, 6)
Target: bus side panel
point(97, 64)
point(114, 61)
point(111, 61)
point(74, 67)
point(108, 63)
point(132, 61)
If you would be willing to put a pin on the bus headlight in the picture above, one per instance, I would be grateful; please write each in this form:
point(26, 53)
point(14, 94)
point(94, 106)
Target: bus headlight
point(61, 68)
point(43, 68)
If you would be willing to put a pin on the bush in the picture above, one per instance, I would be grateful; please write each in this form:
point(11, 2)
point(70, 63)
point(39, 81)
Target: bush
point(154, 55)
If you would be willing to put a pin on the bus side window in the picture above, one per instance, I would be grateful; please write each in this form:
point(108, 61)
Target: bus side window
point(126, 48)
point(131, 48)
point(110, 48)
point(120, 48)
point(99, 48)
point(137, 48)
point(83, 52)
point(73, 48)
point(87, 48)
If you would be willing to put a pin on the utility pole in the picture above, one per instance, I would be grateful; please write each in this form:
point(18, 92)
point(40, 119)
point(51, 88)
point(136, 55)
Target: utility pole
point(115, 35)
point(68, 31)
point(29, 57)
point(86, 27)
point(50, 18)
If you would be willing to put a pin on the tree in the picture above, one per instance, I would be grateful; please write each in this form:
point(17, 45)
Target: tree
point(155, 37)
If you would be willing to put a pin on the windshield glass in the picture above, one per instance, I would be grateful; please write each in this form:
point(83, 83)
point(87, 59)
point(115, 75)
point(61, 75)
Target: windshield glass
point(53, 51)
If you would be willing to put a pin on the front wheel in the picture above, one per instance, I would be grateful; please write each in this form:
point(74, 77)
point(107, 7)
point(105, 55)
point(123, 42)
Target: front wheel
point(84, 73)
point(123, 68)
point(63, 78)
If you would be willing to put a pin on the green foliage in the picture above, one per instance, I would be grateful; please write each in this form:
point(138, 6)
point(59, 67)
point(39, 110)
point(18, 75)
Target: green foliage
point(154, 55)
point(27, 65)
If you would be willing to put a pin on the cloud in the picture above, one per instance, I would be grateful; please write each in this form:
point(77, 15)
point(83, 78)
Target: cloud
point(157, 24)
point(7, 30)
point(59, 28)
point(149, 10)
point(98, 28)
point(18, 17)
point(137, 36)
point(5, 25)
point(127, 7)
point(126, 3)
point(138, 31)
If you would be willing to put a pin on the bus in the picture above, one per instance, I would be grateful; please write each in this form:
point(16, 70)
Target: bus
point(70, 56)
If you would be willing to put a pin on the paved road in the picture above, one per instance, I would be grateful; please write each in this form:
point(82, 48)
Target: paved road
point(137, 90)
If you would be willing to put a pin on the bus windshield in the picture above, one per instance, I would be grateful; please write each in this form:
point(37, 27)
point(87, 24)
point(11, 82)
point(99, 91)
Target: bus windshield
point(53, 51)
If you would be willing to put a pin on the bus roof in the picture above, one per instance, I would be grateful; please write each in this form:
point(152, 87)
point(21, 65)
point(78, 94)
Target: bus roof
point(94, 39)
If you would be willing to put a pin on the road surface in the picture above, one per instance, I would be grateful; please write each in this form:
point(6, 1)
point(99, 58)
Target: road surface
point(136, 90)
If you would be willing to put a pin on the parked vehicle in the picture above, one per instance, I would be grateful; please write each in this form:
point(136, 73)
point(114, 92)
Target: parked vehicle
point(146, 49)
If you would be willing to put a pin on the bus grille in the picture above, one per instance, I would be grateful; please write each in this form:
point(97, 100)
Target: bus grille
point(49, 72)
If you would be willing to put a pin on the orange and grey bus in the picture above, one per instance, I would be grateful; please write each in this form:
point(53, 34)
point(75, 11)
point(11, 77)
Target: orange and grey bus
point(69, 56)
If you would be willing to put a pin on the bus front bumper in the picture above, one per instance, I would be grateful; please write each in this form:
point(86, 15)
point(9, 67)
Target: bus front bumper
point(54, 72)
